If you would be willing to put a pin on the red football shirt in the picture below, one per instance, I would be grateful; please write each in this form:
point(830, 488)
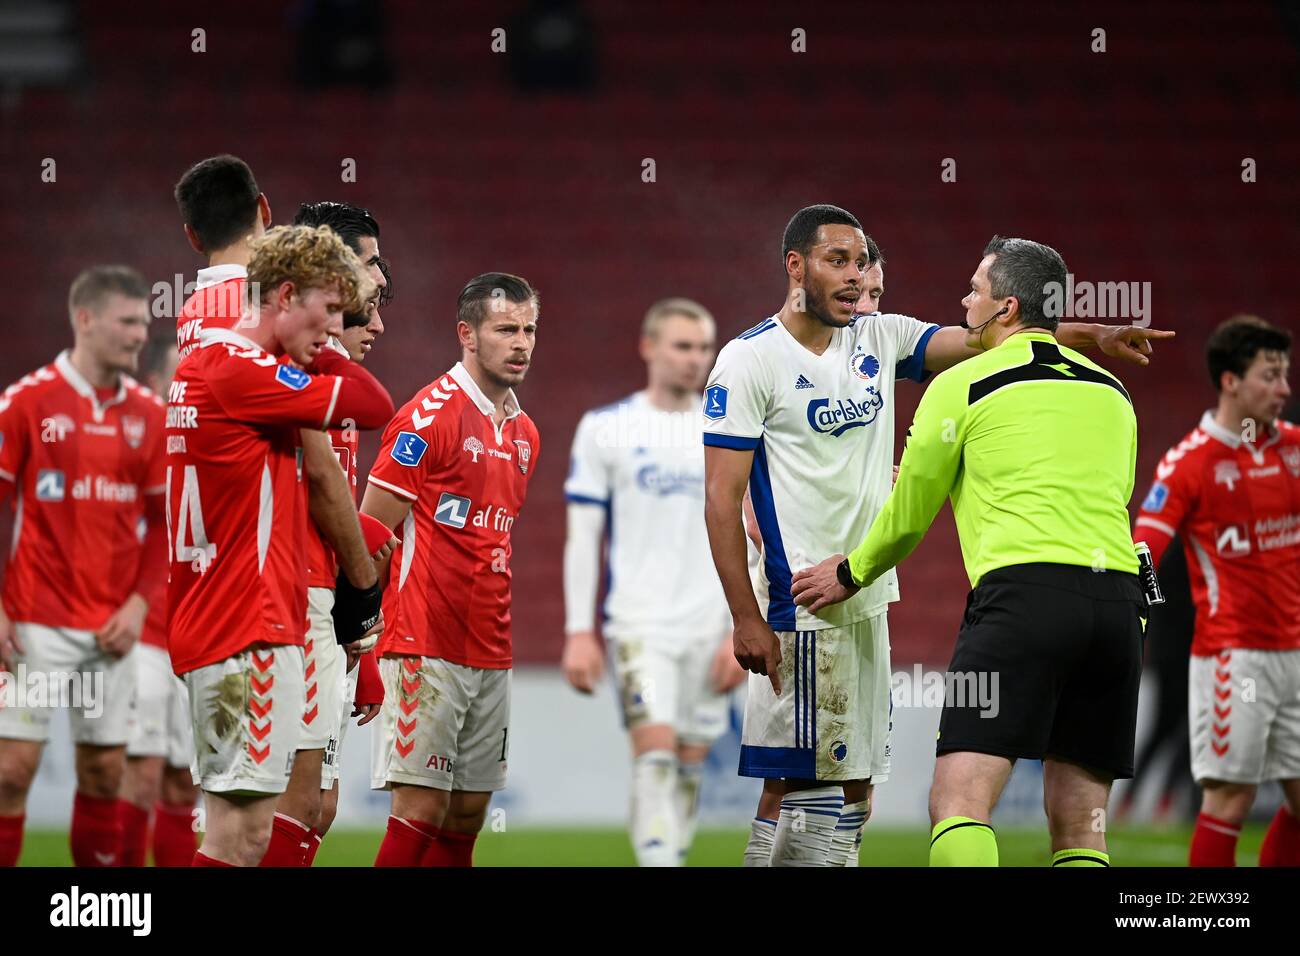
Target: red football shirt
point(236, 506)
point(81, 466)
point(1237, 507)
point(448, 593)
point(217, 303)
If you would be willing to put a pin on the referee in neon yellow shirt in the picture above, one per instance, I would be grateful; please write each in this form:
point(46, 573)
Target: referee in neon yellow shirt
point(1036, 447)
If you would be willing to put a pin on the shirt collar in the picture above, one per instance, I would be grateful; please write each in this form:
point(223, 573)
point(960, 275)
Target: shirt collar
point(226, 337)
point(215, 275)
point(1233, 440)
point(74, 378)
point(460, 375)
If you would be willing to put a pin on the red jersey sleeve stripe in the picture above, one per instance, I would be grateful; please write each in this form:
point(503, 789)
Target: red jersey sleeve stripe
point(1145, 522)
point(329, 412)
point(7, 477)
point(401, 492)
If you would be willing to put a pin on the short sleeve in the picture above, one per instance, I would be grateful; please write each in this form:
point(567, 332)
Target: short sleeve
point(910, 337)
point(1169, 501)
point(737, 399)
point(411, 445)
point(253, 387)
point(13, 435)
point(155, 462)
point(589, 481)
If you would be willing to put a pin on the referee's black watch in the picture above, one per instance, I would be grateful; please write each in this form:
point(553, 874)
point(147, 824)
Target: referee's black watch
point(845, 575)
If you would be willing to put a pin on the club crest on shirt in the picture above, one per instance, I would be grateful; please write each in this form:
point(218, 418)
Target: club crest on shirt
point(864, 365)
point(1290, 457)
point(133, 430)
point(525, 451)
point(1227, 473)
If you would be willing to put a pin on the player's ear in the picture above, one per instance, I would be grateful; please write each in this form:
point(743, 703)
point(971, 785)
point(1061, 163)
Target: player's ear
point(465, 335)
point(193, 238)
point(264, 210)
point(794, 265)
point(646, 347)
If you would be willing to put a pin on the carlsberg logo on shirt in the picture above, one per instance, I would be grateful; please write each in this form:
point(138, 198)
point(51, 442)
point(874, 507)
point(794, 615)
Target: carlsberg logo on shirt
point(835, 419)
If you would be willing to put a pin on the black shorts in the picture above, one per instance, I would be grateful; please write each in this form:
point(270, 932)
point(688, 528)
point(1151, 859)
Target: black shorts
point(1055, 653)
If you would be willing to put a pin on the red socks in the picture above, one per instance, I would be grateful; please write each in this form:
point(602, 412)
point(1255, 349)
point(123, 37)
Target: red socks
point(1214, 842)
point(173, 835)
point(135, 833)
point(313, 844)
point(450, 849)
point(405, 842)
point(289, 843)
point(1282, 842)
point(96, 831)
point(201, 860)
point(11, 840)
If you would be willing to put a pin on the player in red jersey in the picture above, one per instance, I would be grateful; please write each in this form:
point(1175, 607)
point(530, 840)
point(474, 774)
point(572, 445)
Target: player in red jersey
point(157, 787)
point(81, 451)
point(1231, 488)
point(237, 596)
point(452, 473)
point(224, 212)
point(311, 800)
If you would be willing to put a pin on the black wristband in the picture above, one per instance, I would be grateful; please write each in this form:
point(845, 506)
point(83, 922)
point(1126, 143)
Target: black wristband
point(845, 575)
point(356, 610)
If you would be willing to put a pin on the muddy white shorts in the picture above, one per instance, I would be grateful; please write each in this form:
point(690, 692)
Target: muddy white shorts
point(325, 661)
point(246, 712)
point(664, 683)
point(443, 725)
point(62, 668)
point(1244, 713)
point(832, 720)
point(159, 723)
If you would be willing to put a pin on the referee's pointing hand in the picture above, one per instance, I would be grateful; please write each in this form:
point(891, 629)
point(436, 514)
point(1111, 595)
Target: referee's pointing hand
point(758, 650)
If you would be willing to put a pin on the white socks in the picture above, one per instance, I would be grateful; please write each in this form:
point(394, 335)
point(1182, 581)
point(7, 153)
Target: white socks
point(806, 826)
point(687, 802)
point(848, 834)
point(762, 834)
point(656, 837)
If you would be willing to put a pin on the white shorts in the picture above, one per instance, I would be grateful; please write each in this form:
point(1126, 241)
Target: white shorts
point(325, 661)
point(246, 712)
point(833, 718)
point(662, 684)
point(329, 771)
point(1244, 712)
point(61, 667)
point(444, 725)
point(159, 723)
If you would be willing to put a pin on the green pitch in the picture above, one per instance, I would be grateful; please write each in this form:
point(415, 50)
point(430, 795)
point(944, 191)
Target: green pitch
point(609, 847)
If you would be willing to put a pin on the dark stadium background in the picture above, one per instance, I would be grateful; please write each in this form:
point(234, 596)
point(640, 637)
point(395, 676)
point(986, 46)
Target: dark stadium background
point(1129, 162)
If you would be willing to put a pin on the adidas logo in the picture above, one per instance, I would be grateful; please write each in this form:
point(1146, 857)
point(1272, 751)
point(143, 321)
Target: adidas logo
point(802, 382)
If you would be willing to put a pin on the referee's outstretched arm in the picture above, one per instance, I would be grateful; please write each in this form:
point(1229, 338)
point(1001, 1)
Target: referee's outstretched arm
point(931, 463)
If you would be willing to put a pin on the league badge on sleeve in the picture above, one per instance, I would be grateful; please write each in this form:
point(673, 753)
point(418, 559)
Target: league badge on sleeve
point(1156, 497)
point(408, 449)
point(292, 377)
point(715, 402)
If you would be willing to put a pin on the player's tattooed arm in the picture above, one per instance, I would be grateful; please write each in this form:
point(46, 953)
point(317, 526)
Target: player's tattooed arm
point(726, 472)
point(333, 509)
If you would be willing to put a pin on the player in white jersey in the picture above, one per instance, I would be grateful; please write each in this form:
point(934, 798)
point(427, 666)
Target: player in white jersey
point(800, 409)
point(637, 477)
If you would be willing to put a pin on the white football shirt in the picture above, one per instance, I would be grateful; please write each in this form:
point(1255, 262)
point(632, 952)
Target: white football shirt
point(822, 431)
point(646, 467)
